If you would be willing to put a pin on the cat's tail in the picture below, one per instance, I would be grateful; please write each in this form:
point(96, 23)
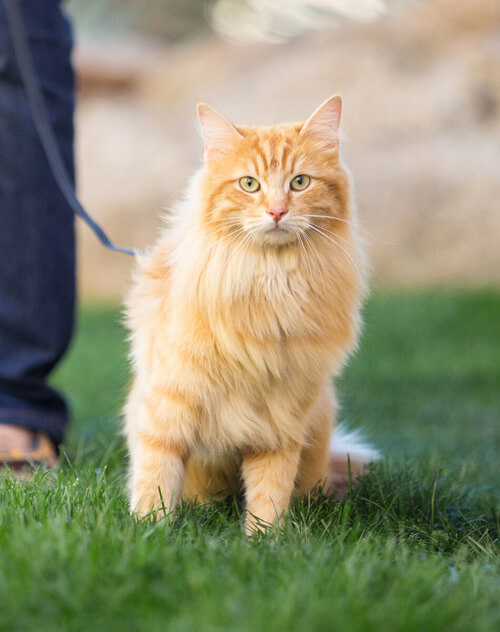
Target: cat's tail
point(349, 456)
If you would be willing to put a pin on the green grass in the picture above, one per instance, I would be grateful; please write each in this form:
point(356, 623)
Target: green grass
point(413, 548)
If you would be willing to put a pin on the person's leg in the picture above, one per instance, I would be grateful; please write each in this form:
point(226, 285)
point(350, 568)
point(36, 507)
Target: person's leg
point(37, 242)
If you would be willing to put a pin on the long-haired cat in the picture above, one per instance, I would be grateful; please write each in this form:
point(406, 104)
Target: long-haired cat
point(239, 316)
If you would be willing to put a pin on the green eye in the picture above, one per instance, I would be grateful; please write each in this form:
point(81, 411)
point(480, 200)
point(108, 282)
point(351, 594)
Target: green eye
point(299, 183)
point(249, 184)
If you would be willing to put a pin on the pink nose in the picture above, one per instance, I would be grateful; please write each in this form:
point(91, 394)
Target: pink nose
point(277, 213)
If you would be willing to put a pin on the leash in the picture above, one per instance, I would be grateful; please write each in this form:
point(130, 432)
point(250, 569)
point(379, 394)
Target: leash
point(43, 126)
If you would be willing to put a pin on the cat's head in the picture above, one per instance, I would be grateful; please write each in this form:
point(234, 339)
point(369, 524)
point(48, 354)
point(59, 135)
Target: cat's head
point(277, 185)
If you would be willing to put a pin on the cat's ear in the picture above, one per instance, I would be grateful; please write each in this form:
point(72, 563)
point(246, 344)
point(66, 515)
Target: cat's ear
point(324, 123)
point(219, 135)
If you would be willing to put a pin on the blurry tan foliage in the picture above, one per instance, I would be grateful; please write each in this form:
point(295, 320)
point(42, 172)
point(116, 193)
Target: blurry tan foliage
point(421, 89)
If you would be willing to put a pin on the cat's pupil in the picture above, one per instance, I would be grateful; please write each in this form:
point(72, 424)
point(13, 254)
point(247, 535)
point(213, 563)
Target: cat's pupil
point(299, 180)
point(249, 182)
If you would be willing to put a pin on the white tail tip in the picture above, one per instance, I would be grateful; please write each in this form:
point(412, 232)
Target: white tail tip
point(345, 442)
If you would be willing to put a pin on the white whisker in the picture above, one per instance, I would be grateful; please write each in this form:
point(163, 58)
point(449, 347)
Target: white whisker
point(331, 232)
point(315, 228)
point(306, 256)
point(354, 224)
point(233, 234)
point(332, 217)
point(315, 257)
point(237, 249)
point(217, 232)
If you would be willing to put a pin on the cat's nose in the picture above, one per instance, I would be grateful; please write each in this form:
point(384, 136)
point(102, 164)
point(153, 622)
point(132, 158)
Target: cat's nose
point(277, 213)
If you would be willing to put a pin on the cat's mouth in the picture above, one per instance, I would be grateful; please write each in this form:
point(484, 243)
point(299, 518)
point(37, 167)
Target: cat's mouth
point(277, 227)
point(277, 234)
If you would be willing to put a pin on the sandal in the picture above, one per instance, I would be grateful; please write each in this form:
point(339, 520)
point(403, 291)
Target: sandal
point(40, 452)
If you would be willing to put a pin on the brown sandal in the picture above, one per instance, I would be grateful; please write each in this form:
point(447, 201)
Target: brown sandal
point(40, 452)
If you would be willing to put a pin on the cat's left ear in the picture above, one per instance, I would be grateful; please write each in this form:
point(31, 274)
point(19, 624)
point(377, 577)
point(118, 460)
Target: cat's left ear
point(219, 135)
point(324, 123)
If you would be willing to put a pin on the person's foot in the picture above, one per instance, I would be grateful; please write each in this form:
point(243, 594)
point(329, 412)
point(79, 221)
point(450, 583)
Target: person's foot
point(22, 448)
point(14, 437)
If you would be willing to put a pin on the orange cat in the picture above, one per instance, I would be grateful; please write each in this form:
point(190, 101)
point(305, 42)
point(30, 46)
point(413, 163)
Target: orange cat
point(240, 314)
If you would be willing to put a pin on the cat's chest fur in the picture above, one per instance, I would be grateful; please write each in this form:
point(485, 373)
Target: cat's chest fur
point(246, 354)
point(263, 327)
point(263, 319)
point(258, 358)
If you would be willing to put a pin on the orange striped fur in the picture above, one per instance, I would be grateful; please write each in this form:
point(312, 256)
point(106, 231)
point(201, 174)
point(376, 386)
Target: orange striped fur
point(238, 322)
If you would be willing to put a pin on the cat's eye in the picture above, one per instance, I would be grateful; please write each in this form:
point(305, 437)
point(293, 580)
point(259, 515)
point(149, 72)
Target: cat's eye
point(301, 182)
point(249, 184)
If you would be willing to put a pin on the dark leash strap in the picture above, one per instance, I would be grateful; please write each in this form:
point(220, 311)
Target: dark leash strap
point(42, 123)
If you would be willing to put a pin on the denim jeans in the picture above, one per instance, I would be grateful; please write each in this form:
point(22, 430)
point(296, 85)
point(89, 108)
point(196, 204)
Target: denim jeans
point(37, 240)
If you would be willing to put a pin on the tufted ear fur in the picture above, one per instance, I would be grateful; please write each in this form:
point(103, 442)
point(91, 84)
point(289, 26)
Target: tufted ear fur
point(218, 133)
point(324, 122)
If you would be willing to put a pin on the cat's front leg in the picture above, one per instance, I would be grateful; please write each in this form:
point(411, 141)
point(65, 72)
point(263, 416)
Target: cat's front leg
point(157, 477)
point(269, 481)
point(159, 448)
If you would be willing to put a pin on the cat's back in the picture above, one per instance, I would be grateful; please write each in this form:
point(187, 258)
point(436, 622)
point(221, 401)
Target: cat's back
point(147, 301)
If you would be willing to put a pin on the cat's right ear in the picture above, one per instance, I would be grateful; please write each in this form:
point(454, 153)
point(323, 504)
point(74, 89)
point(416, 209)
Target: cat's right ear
point(219, 135)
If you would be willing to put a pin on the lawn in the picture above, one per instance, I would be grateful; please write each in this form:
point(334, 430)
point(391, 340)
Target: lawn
point(414, 547)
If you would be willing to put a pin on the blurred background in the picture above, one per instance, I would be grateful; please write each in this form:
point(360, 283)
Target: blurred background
point(420, 81)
